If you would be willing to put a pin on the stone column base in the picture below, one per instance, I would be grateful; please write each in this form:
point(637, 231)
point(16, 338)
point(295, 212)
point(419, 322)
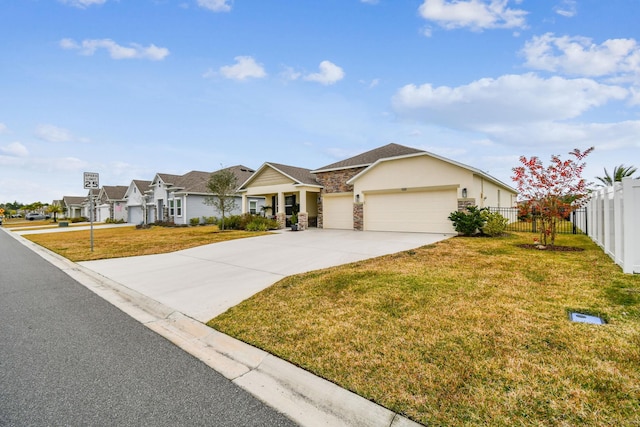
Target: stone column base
point(282, 220)
point(303, 221)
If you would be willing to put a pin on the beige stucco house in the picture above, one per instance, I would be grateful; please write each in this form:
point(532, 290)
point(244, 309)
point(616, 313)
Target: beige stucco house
point(390, 188)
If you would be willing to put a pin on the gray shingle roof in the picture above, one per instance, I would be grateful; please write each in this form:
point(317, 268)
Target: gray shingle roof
point(115, 192)
point(142, 184)
point(302, 175)
point(370, 157)
point(73, 200)
point(196, 181)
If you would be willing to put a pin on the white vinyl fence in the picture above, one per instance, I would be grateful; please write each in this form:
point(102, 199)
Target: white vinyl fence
point(614, 222)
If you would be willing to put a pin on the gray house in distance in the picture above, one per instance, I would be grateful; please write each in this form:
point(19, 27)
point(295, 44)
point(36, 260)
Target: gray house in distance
point(179, 198)
point(136, 199)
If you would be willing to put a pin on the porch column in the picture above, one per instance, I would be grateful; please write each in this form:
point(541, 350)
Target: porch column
point(281, 216)
point(244, 203)
point(303, 215)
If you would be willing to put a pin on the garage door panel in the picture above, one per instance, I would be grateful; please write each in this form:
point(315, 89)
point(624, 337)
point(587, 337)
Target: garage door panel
point(337, 212)
point(420, 211)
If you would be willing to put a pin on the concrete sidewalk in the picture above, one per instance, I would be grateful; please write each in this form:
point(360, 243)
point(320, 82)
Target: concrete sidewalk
point(173, 294)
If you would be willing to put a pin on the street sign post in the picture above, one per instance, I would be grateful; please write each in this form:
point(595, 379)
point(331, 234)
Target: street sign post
point(91, 182)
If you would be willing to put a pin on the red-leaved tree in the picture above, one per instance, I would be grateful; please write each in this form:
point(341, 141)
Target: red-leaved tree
point(551, 193)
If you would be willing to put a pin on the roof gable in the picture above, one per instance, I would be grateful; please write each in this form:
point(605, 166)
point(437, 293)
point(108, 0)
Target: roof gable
point(420, 153)
point(114, 192)
point(73, 200)
point(292, 174)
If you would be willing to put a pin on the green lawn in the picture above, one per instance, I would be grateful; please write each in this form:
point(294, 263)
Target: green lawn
point(129, 241)
point(470, 331)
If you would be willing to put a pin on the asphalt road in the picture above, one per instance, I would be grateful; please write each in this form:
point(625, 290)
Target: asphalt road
point(69, 358)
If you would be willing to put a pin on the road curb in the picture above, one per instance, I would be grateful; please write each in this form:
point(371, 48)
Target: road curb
point(305, 398)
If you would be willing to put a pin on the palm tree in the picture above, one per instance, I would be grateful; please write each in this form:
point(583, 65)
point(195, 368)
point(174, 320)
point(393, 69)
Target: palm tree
point(55, 210)
point(619, 172)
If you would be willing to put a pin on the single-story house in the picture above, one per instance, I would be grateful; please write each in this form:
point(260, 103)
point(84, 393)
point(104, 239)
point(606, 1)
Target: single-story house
point(111, 204)
point(136, 198)
point(72, 206)
point(179, 198)
point(390, 188)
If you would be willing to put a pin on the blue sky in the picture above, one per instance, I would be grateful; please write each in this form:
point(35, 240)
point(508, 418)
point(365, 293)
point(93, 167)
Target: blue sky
point(130, 88)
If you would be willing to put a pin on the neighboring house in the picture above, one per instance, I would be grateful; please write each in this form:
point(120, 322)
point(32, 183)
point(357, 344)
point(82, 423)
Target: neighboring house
point(179, 198)
point(390, 188)
point(137, 196)
point(72, 206)
point(111, 204)
point(287, 189)
point(86, 204)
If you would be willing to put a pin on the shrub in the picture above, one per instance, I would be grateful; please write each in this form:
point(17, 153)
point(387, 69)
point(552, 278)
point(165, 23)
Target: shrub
point(468, 223)
point(79, 219)
point(114, 221)
point(259, 223)
point(495, 224)
point(232, 222)
point(209, 220)
point(194, 221)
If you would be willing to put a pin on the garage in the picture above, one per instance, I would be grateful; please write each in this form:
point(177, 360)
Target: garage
point(337, 211)
point(135, 215)
point(410, 211)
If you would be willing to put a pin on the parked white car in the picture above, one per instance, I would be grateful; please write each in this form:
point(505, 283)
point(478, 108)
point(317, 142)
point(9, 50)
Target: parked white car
point(34, 216)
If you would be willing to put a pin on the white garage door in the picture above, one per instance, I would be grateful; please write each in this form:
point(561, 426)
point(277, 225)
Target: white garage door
point(135, 215)
point(337, 212)
point(419, 211)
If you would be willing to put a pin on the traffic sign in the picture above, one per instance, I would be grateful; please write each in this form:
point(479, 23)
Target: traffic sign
point(91, 180)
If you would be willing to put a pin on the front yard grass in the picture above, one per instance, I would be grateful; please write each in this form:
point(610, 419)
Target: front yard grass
point(129, 241)
point(470, 331)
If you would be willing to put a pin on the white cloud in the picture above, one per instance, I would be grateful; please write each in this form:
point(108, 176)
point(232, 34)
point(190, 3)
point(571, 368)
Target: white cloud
point(216, 5)
point(244, 68)
point(116, 51)
point(15, 149)
point(329, 74)
point(289, 73)
point(3, 128)
point(566, 8)
point(83, 3)
point(510, 99)
point(474, 14)
point(369, 1)
point(580, 56)
point(52, 133)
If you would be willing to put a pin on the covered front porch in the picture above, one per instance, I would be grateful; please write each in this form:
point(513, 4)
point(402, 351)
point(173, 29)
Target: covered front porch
point(289, 192)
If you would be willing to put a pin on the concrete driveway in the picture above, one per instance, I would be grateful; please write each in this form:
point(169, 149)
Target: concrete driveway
point(204, 282)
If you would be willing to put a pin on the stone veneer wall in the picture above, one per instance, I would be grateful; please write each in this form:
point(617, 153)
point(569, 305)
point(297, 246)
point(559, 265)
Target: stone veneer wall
point(358, 216)
point(463, 204)
point(303, 220)
point(335, 182)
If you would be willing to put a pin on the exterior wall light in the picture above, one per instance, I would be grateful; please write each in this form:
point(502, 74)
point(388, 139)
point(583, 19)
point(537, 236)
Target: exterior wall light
point(464, 193)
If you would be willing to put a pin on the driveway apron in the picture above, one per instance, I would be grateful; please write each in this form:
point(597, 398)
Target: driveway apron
point(204, 282)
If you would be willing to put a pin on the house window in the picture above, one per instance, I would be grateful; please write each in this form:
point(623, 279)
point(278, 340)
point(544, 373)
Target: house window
point(289, 203)
point(175, 207)
point(253, 207)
